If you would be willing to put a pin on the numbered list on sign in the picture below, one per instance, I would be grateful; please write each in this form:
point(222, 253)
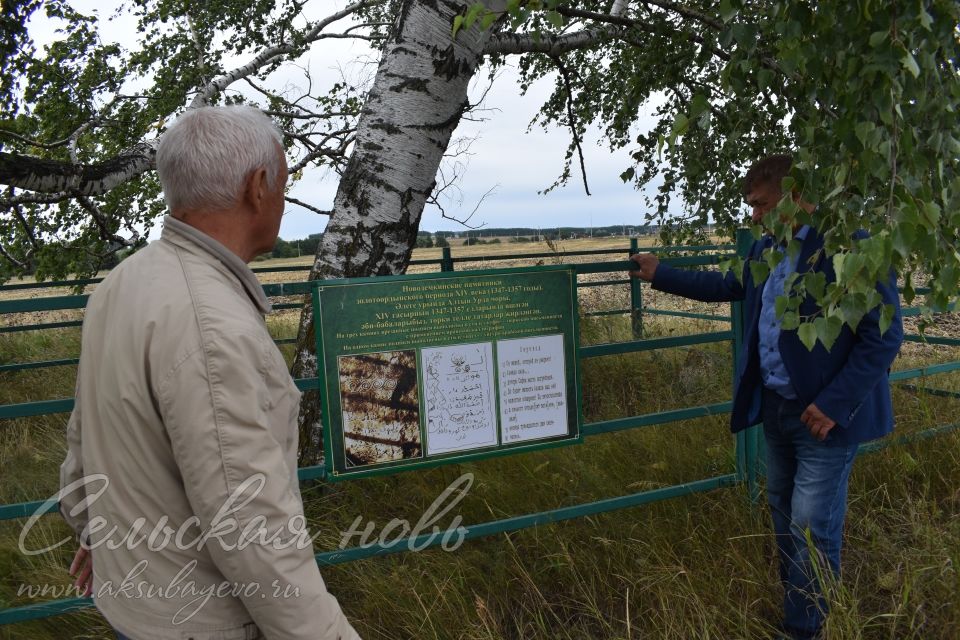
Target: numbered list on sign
point(533, 391)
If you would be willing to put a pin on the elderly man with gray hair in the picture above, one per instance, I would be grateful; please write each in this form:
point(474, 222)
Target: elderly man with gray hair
point(181, 471)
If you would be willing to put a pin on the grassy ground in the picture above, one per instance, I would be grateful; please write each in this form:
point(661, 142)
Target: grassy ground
point(695, 567)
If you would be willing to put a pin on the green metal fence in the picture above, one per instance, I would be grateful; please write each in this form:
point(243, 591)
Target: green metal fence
point(746, 470)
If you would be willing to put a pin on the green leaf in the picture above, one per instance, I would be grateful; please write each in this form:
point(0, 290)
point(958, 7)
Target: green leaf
point(790, 281)
point(781, 305)
point(852, 265)
point(852, 309)
point(555, 19)
point(764, 78)
point(808, 335)
point(909, 294)
point(734, 264)
point(886, 317)
point(910, 64)
point(698, 104)
point(488, 19)
point(877, 38)
point(904, 237)
point(680, 125)
point(864, 131)
point(816, 283)
point(472, 14)
point(457, 24)
point(838, 260)
point(704, 120)
point(840, 177)
point(828, 330)
point(790, 321)
point(727, 11)
point(759, 271)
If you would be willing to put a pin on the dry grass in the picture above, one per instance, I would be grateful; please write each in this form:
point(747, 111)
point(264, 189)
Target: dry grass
point(696, 567)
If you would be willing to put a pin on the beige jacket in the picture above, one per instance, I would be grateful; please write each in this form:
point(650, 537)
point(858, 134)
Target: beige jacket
point(185, 432)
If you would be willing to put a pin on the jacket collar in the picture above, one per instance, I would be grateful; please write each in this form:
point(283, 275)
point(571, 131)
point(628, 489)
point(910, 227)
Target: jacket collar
point(810, 243)
point(182, 234)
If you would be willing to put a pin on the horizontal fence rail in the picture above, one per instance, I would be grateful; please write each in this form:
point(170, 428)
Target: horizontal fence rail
point(283, 289)
point(746, 443)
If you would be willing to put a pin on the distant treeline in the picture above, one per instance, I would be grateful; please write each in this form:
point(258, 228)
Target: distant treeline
point(550, 232)
point(294, 248)
point(427, 239)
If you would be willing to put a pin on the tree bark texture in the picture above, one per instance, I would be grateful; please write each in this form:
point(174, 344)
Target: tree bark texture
point(418, 96)
point(54, 176)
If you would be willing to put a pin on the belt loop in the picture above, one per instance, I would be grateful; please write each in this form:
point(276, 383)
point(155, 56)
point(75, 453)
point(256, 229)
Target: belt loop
point(251, 631)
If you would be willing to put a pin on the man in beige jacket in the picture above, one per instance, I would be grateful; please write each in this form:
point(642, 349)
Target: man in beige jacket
point(181, 473)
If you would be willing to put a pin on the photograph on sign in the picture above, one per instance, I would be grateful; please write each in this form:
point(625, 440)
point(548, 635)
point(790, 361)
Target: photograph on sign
point(533, 389)
point(459, 400)
point(379, 396)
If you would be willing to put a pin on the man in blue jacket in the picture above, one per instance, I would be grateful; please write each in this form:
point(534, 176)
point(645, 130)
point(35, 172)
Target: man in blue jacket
point(816, 406)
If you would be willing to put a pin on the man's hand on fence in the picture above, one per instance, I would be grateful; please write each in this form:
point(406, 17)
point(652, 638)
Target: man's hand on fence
point(648, 266)
point(817, 422)
point(82, 568)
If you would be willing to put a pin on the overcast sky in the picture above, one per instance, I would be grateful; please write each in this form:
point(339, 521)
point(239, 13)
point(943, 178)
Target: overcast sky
point(505, 160)
point(515, 164)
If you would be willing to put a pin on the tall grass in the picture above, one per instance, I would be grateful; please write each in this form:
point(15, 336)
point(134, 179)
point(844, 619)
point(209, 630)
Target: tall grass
point(701, 566)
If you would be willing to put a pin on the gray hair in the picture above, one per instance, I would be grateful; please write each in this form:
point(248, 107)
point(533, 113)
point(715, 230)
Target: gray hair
point(206, 156)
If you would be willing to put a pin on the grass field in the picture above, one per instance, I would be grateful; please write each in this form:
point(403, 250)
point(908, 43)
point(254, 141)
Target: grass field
point(695, 567)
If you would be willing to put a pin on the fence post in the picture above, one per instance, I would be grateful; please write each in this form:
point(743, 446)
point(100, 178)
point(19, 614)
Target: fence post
point(748, 440)
point(636, 302)
point(446, 262)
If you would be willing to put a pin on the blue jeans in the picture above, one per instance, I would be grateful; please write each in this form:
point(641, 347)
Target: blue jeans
point(807, 492)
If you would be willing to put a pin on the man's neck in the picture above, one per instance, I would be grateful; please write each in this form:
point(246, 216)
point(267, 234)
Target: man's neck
point(222, 226)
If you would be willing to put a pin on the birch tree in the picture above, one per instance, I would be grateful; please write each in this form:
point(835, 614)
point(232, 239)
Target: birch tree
point(865, 94)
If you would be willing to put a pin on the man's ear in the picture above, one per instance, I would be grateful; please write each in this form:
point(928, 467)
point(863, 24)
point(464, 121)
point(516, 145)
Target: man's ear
point(256, 189)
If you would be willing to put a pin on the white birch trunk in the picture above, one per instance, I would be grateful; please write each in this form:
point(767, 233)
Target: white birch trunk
point(417, 98)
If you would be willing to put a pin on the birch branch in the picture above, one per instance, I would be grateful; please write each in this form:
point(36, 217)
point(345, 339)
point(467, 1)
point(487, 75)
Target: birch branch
point(308, 206)
point(269, 54)
point(55, 176)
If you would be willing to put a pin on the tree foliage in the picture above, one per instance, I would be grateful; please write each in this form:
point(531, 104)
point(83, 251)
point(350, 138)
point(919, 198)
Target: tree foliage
point(865, 94)
point(81, 102)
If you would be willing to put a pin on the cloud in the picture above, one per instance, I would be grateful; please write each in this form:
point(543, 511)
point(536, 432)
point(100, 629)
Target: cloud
point(515, 164)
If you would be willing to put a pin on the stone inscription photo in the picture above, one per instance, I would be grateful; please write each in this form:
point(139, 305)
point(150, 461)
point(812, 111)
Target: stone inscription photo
point(380, 398)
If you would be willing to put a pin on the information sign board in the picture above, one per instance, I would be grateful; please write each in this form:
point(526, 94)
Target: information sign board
point(427, 369)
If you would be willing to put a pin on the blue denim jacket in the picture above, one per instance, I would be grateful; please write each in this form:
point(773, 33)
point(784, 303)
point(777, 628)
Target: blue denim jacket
point(848, 383)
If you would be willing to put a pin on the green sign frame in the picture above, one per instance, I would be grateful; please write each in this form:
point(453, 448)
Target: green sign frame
point(394, 358)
